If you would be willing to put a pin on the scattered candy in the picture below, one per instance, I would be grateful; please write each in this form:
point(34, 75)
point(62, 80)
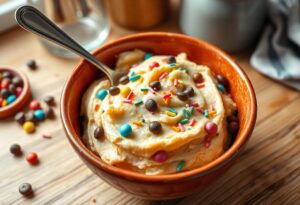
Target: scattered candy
point(148, 55)
point(155, 85)
point(32, 158)
point(46, 136)
point(131, 95)
point(25, 189)
point(160, 156)
point(151, 105)
point(31, 64)
point(114, 90)
point(125, 130)
point(180, 166)
point(124, 80)
point(34, 105)
point(49, 100)
point(211, 128)
point(49, 112)
point(4, 93)
point(30, 117)
point(125, 91)
point(39, 115)
point(29, 127)
point(205, 113)
point(166, 96)
point(153, 65)
point(102, 94)
point(184, 121)
point(15, 149)
point(99, 133)
point(20, 117)
point(155, 127)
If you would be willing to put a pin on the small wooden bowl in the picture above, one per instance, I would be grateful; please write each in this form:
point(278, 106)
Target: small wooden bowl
point(167, 186)
point(20, 102)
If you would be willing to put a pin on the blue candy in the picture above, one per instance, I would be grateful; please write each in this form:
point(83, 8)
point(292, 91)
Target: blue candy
point(39, 115)
point(221, 88)
point(125, 130)
point(11, 99)
point(102, 94)
point(148, 55)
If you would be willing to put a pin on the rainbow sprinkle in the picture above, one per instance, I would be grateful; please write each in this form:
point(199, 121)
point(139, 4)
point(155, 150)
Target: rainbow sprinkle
point(152, 91)
point(183, 121)
point(138, 101)
point(96, 108)
point(172, 110)
point(138, 123)
point(130, 95)
point(163, 75)
point(180, 166)
point(205, 113)
point(127, 101)
point(181, 127)
point(171, 114)
point(175, 128)
point(200, 85)
point(192, 122)
point(134, 78)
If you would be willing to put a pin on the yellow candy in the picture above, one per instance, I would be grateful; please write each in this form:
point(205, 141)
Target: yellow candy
point(4, 103)
point(29, 127)
point(125, 91)
point(138, 123)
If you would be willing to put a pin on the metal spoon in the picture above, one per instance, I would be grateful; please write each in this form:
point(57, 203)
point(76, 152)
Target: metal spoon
point(34, 21)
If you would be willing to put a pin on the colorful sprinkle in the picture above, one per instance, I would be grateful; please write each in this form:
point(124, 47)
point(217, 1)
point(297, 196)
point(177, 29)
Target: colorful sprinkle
point(125, 130)
point(175, 82)
point(186, 114)
point(134, 78)
point(167, 101)
point(144, 89)
point(148, 55)
point(171, 114)
point(153, 65)
point(152, 91)
point(125, 91)
point(200, 85)
point(205, 113)
point(138, 101)
point(131, 73)
point(173, 64)
point(180, 166)
point(138, 123)
point(141, 80)
point(96, 108)
point(191, 110)
point(130, 96)
point(166, 96)
point(175, 128)
point(102, 94)
point(181, 127)
point(200, 110)
point(127, 101)
point(143, 120)
point(212, 113)
point(192, 122)
point(165, 74)
point(172, 110)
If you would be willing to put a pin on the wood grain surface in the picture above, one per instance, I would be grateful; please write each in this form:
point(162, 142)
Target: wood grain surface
point(268, 172)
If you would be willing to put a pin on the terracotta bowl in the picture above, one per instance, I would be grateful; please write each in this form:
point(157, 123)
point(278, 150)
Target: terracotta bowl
point(21, 101)
point(160, 186)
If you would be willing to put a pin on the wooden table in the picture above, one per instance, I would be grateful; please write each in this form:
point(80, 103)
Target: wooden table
point(268, 172)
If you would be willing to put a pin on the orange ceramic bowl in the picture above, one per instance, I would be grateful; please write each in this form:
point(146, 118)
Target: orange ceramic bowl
point(171, 185)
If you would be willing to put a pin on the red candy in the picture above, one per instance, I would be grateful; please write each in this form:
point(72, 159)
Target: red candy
point(211, 128)
point(153, 65)
point(19, 91)
point(32, 158)
point(160, 156)
point(34, 105)
point(4, 84)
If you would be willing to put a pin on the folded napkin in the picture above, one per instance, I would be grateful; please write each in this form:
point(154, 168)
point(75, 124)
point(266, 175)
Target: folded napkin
point(278, 52)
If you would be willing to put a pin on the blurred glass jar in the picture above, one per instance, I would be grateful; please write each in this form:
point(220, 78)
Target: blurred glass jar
point(138, 14)
point(84, 20)
point(230, 24)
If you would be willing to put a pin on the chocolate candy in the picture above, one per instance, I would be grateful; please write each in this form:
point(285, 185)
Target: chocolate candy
point(114, 90)
point(99, 133)
point(31, 64)
point(30, 117)
point(25, 189)
point(20, 117)
point(125, 130)
point(197, 77)
point(233, 127)
point(182, 96)
point(171, 59)
point(124, 80)
point(49, 100)
point(5, 93)
point(151, 105)
point(12, 88)
point(222, 81)
point(155, 127)
point(15, 149)
point(32, 158)
point(29, 127)
point(49, 112)
point(155, 85)
point(189, 91)
point(17, 81)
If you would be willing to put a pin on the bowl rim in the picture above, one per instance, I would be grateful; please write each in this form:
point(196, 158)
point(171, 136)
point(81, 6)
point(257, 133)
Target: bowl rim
point(22, 99)
point(221, 161)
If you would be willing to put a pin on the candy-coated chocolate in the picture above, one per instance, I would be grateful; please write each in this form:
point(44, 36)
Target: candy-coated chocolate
point(29, 127)
point(32, 158)
point(160, 156)
point(34, 105)
point(39, 115)
point(125, 130)
point(211, 128)
point(102, 94)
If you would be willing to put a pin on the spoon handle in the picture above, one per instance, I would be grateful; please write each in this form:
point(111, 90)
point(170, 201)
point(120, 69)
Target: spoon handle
point(34, 21)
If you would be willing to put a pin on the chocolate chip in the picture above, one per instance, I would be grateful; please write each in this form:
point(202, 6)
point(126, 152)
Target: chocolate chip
point(222, 80)
point(124, 80)
point(182, 96)
point(198, 77)
point(49, 112)
point(171, 59)
point(114, 90)
point(20, 118)
point(99, 133)
point(15, 149)
point(17, 81)
point(155, 127)
point(25, 189)
point(151, 105)
point(233, 127)
point(155, 85)
point(7, 74)
point(12, 88)
point(189, 91)
point(49, 100)
point(31, 64)
point(4, 93)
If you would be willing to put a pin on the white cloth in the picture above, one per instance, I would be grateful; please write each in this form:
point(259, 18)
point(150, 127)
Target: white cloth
point(278, 52)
